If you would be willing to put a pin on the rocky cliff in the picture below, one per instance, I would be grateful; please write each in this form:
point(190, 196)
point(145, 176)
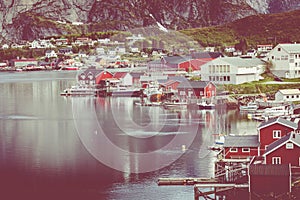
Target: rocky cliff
point(30, 19)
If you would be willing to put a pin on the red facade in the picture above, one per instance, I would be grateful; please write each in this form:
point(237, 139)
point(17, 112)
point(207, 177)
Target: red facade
point(266, 134)
point(210, 90)
point(293, 157)
point(240, 153)
point(102, 76)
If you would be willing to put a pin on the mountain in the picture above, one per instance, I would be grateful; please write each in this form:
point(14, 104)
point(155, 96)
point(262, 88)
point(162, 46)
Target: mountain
point(256, 29)
point(31, 19)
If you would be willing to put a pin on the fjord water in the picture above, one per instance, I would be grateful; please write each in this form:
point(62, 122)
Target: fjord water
point(54, 147)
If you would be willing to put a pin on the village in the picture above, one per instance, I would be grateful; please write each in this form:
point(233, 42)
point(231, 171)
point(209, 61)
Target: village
point(256, 162)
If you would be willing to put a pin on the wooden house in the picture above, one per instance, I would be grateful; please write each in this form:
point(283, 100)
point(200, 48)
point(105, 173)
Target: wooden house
point(288, 95)
point(125, 78)
point(240, 146)
point(276, 153)
point(269, 181)
point(196, 89)
point(88, 77)
point(136, 78)
point(272, 130)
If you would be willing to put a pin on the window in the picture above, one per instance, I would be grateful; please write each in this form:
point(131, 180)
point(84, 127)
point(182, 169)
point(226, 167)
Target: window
point(279, 49)
point(276, 160)
point(233, 150)
point(277, 134)
point(289, 145)
point(245, 150)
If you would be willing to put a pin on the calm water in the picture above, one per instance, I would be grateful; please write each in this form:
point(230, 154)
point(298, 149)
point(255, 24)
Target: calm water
point(53, 147)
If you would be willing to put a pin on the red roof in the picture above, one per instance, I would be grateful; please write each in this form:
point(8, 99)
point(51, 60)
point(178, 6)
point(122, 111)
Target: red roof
point(120, 75)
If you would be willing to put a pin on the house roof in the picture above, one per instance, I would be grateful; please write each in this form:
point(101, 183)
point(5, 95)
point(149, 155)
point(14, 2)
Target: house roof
point(166, 83)
point(120, 74)
point(269, 170)
point(241, 141)
point(289, 91)
point(240, 62)
point(279, 120)
point(201, 55)
point(193, 84)
point(291, 48)
point(136, 74)
point(291, 137)
point(178, 78)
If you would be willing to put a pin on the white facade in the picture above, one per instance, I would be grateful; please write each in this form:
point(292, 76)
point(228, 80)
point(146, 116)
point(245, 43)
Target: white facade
point(288, 95)
point(232, 70)
point(285, 59)
point(50, 54)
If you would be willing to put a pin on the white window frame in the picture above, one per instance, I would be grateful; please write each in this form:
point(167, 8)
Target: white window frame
point(276, 134)
point(233, 150)
point(245, 150)
point(289, 145)
point(276, 160)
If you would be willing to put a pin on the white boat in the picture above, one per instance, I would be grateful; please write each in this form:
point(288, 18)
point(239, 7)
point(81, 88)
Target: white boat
point(277, 111)
point(206, 106)
point(251, 106)
point(126, 92)
point(153, 93)
point(79, 90)
point(175, 105)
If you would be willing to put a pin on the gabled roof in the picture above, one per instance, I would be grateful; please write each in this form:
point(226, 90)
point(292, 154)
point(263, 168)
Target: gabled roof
point(241, 141)
point(240, 62)
point(166, 83)
point(120, 74)
point(291, 137)
point(193, 84)
point(136, 74)
point(201, 55)
point(178, 78)
point(278, 120)
point(289, 91)
point(290, 48)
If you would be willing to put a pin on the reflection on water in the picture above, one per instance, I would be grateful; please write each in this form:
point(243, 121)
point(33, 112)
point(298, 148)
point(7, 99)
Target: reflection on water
point(53, 147)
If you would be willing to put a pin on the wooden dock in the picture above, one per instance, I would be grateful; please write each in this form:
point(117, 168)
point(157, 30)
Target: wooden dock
point(185, 181)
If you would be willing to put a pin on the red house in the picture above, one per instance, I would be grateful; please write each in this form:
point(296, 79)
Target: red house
point(169, 85)
point(240, 146)
point(276, 153)
point(102, 76)
point(270, 181)
point(273, 130)
point(196, 89)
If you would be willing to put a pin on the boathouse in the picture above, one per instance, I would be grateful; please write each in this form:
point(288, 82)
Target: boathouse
point(269, 181)
point(272, 130)
point(88, 77)
point(240, 146)
point(196, 89)
point(125, 78)
point(289, 95)
point(276, 153)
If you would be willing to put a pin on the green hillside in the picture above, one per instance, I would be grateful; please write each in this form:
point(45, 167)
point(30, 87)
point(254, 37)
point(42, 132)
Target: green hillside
point(258, 29)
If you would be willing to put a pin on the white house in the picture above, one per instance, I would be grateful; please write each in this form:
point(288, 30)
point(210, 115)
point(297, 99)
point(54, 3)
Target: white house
point(288, 95)
point(285, 59)
point(125, 78)
point(232, 70)
point(264, 48)
point(50, 54)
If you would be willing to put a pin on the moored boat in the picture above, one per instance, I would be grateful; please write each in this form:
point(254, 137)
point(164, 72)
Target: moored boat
point(251, 106)
point(206, 106)
point(79, 90)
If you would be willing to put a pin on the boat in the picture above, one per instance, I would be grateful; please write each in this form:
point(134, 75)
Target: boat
point(277, 111)
point(152, 94)
point(175, 105)
point(206, 106)
point(251, 106)
point(79, 90)
point(126, 92)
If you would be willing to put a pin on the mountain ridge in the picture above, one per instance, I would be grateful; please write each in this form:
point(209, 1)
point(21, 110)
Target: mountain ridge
point(102, 15)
